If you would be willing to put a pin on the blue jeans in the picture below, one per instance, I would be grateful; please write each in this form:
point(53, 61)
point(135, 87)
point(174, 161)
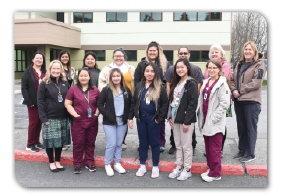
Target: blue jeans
point(148, 132)
point(114, 138)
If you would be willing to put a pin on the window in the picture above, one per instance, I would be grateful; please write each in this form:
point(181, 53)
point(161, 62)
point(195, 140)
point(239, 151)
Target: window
point(197, 16)
point(116, 17)
point(20, 60)
point(60, 16)
point(54, 54)
point(199, 56)
point(82, 17)
point(150, 16)
point(101, 54)
point(131, 55)
point(170, 56)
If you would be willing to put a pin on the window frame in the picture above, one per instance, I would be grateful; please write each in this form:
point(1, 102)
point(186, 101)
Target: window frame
point(57, 53)
point(151, 18)
point(197, 18)
point(116, 17)
point(57, 16)
point(126, 52)
point(200, 55)
point(16, 59)
point(172, 62)
point(97, 60)
point(83, 17)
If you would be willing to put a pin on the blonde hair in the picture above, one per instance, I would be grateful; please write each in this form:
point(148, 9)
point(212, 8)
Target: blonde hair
point(253, 46)
point(122, 82)
point(161, 56)
point(47, 78)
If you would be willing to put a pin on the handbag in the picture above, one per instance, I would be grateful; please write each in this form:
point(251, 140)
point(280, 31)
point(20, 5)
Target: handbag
point(229, 112)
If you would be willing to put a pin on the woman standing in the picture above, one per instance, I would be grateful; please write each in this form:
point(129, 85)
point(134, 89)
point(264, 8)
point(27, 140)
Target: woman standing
point(89, 62)
point(149, 105)
point(216, 52)
point(52, 113)
point(30, 81)
point(119, 57)
point(84, 127)
point(114, 104)
point(64, 58)
point(154, 54)
point(182, 117)
point(246, 83)
point(213, 103)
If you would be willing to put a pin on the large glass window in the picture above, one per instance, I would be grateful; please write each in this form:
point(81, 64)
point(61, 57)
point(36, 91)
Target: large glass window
point(116, 17)
point(194, 16)
point(199, 56)
point(169, 55)
point(20, 62)
point(60, 16)
point(82, 17)
point(131, 55)
point(54, 54)
point(101, 54)
point(150, 16)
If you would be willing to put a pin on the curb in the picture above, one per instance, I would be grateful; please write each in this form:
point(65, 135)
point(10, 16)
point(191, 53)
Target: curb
point(166, 166)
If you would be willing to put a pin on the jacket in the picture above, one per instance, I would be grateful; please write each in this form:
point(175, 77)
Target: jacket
point(70, 81)
point(250, 81)
point(48, 105)
point(104, 76)
point(160, 103)
point(94, 81)
point(186, 109)
point(28, 86)
point(139, 70)
point(219, 102)
point(106, 105)
point(226, 69)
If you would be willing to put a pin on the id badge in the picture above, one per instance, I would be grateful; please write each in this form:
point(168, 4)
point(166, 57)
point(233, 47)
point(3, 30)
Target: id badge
point(147, 100)
point(177, 101)
point(205, 96)
point(89, 113)
point(60, 99)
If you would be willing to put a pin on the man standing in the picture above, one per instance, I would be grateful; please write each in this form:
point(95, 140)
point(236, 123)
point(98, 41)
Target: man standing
point(183, 52)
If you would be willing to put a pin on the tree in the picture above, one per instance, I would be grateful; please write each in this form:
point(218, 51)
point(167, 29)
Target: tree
point(247, 26)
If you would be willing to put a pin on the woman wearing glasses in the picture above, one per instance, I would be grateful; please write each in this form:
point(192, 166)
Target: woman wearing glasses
point(119, 58)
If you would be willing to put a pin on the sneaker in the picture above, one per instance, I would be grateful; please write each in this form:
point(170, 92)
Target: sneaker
point(109, 170)
point(155, 172)
point(39, 145)
point(210, 179)
point(69, 145)
point(32, 148)
point(172, 150)
point(206, 173)
point(77, 170)
point(184, 175)
point(246, 159)
point(65, 147)
point(124, 146)
point(162, 148)
point(239, 155)
point(176, 172)
point(91, 168)
point(117, 167)
point(141, 171)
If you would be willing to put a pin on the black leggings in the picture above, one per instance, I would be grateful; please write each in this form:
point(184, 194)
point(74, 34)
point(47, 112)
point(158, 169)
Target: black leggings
point(49, 152)
point(224, 138)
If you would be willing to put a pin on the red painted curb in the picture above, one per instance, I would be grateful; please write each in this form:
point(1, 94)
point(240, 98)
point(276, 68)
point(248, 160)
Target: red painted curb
point(257, 169)
point(132, 163)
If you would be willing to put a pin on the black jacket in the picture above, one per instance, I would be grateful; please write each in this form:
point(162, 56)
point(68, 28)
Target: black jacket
point(186, 111)
point(161, 103)
point(106, 106)
point(48, 105)
point(29, 86)
point(139, 70)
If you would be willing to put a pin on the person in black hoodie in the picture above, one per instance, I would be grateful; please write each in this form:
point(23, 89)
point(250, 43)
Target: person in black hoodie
point(149, 105)
point(114, 104)
point(154, 54)
point(182, 116)
point(53, 114)
point(30, 81)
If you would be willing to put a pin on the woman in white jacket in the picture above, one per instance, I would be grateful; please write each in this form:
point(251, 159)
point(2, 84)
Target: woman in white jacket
point(213, 102)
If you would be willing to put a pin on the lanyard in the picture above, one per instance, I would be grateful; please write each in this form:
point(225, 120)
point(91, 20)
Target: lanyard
point(87, 98)
point(58, 87)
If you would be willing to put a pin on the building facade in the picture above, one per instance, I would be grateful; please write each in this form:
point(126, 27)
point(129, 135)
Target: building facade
point(102, 32)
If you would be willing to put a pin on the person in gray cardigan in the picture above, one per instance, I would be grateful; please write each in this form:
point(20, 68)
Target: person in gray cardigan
point(213, 102)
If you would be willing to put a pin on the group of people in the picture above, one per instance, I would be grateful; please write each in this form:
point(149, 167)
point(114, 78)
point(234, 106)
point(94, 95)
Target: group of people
point(63, 102)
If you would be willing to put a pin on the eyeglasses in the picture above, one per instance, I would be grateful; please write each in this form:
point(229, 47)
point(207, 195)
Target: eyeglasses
point(210, 68)
point(183, 53)
point(118, 56)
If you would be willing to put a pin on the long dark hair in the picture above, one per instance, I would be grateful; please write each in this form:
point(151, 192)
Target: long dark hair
point(122, 81)
point(176, 77)
point(218, 64)
point(95, 57)
point(90, 84)
point(69, 62)
point(43, 67)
